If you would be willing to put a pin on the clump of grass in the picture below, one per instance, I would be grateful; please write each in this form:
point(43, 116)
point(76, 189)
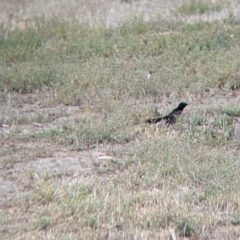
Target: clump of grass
point(43, 223)
point(196, 121)
point(185, 228)
point(232, 112)
point(21, 45)
point(196, 26)
point(51, 133)
point(89, 130)
point(223, 122)
point(198, 7)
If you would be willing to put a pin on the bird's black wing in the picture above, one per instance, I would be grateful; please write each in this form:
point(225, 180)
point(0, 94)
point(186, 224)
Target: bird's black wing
point(172, 117)
point(170, 120)
point(175, 112)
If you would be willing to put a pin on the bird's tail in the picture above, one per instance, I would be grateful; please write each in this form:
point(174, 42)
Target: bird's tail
point(154, 120)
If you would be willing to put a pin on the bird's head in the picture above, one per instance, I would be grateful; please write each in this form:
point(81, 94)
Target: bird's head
point(182, 105)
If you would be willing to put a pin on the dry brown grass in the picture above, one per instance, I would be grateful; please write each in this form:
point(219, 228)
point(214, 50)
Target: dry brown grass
point(77, 159)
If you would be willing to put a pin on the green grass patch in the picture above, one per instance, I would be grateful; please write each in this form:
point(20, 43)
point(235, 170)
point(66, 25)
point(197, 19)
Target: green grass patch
point(86, 131)
point(198, 7)
point(232, 112)
point(77, 58)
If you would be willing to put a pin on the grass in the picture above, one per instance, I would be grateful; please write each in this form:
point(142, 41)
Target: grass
point(78, 160)
point(198, 7)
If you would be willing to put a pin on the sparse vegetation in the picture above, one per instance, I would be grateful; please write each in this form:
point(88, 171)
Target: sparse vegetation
point(77, 160)
point(198, 7)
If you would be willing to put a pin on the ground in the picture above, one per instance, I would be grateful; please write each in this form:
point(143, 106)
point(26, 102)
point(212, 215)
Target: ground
point(78, 160)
